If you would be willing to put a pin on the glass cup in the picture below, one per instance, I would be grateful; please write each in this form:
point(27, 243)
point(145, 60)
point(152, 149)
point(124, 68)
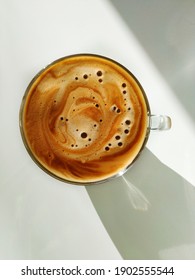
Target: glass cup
point(63, 77)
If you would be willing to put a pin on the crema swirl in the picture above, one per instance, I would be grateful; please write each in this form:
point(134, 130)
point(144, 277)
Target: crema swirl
point(84, 118)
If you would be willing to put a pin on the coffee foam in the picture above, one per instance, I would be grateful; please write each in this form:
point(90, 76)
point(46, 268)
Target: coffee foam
point(84, 118)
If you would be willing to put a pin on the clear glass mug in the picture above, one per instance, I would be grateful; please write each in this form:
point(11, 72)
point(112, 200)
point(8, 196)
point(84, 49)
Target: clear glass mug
point(154, 122)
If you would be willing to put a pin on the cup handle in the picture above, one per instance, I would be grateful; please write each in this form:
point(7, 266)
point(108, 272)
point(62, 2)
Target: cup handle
point(159, 122)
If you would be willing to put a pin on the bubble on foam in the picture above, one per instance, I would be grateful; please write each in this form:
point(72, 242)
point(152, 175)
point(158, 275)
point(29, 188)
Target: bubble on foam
point(126, 131)
point(84, 135)
point(120, 144)
point(100, 80)
point(76, 78)
point(124, 92)
point(117, 137)
point(85, 76)
point(127, 122)
point(107, 148)
point(124, 85)
point(99, 73)
point(115, 109)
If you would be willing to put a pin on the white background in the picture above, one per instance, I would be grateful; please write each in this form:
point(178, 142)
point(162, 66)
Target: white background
point(42, 218)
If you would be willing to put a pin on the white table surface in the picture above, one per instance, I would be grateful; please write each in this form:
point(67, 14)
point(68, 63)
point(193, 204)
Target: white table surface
point(151, 212)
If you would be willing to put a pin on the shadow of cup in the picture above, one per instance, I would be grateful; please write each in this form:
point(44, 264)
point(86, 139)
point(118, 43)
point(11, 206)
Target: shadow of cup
point(148, 212)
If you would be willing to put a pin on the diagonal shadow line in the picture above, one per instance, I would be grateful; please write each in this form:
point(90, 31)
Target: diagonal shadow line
point(149, 212)
point(166, 30)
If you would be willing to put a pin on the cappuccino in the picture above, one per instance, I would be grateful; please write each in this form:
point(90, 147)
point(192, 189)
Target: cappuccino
point(84, 118)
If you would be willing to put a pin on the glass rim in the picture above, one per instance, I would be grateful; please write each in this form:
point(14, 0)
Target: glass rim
point(33, 157)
